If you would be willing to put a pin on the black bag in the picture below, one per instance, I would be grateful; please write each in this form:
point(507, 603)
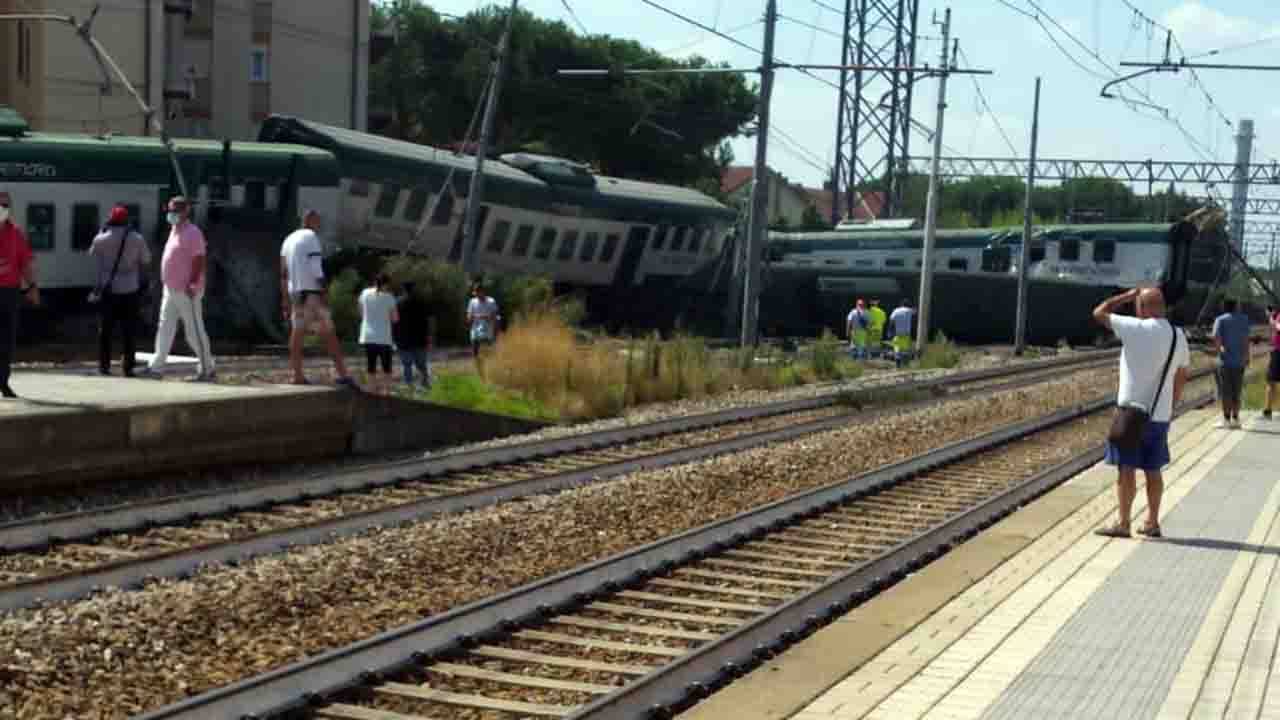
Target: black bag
point(96, 296)
point(1130, 423)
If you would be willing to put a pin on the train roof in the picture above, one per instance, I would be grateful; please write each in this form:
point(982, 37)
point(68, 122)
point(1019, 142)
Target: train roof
point(128, 159)
point(975, 237)
point(383, 159)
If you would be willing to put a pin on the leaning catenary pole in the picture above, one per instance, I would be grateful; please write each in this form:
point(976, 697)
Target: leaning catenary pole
point(1020, 335)
point(1240, 184)
point(931, 211)
point(760, 190)
point(475, 196)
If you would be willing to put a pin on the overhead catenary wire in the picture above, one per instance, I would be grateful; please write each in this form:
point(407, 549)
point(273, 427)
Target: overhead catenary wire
point(995, 118)
point(577, 21)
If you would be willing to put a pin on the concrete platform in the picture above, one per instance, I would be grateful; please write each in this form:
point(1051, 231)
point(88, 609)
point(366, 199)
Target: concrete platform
point(68, 427)
point(1040, 618)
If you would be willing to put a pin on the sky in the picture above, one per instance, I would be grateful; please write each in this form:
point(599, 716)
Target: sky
point(1004, 37)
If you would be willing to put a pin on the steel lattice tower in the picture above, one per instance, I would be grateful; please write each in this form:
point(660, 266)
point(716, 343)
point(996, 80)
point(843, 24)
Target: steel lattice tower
point(873, 126)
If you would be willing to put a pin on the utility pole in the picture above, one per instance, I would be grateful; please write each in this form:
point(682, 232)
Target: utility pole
point(1020, 334)
point(931, 212)
point(475, 196)
point(760, 190)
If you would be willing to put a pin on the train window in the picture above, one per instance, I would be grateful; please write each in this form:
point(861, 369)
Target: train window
point(443, 211)
point(498, 238)
point(659, 237)
point(589, 244)
point(546, 242)
point(1104, 251)
point(1037, 252)
point(961, 264)
point(135, 216)
point(358, 188)
point(568, 245)
point(86, 220)
point(1069, 249)
point(610, 247)
point(864, 263)
point(695, 240)
point(677, 243)
point(388, 200)
point(255, 195)
point(894, 262)
point(524, 236)
point(41, 226)
point(417, 205)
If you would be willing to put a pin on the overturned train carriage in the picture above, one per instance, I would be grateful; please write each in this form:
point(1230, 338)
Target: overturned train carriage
point(813, 279)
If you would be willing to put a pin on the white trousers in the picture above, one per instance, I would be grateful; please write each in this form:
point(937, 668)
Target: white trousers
point(178, 306)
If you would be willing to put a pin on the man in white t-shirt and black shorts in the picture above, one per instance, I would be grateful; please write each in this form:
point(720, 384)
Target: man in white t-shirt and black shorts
point(303, 298)
point(1147, 340)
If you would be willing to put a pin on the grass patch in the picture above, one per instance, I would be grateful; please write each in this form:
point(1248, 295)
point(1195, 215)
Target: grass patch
point(1255, 390)
point(468, 391)
point(941, 354)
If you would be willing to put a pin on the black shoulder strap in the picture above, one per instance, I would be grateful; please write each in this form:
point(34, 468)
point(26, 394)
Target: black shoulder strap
point(124, 240)
point(1173, 345)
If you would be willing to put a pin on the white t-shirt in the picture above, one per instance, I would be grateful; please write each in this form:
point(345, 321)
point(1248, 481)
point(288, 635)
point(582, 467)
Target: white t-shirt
point(375, 317)
point(901, 320)
point(858, 319)
point(1146, 347)
point(304, 260)
point(484, 316)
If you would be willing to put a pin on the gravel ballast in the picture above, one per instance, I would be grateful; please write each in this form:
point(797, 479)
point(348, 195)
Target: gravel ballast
point(126, 652)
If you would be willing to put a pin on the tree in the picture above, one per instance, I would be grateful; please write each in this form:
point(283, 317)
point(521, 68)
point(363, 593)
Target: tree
point(664, 128)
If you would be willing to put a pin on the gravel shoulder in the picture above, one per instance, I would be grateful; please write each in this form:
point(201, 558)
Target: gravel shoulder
point(123, 653)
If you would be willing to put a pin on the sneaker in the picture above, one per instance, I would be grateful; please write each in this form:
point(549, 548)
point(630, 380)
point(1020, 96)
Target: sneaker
point(1235, 423)
point(1223, 424)
point(8, 392)
point(149, 374)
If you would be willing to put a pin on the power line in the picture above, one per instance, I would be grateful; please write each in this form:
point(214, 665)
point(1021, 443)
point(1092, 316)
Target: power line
point(574, 15)
point(811, 26)
point(995, 118)
point(703, 37)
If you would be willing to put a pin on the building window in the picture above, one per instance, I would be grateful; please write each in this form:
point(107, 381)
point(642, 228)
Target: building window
point(589, 245)
point(568, 245)
point(86, 220)
point(417, 205)
point(1069, 250)
point(546, 242)
point(24, 53)
point(388, 200)
point(1104, 251)
point(524, 237)
point(961, 264)
point(259, 64)
point(41, 226)
point(610, 248)
point(498, 238)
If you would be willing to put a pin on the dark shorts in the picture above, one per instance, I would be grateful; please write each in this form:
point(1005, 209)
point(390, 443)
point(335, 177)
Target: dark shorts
point(1152, 455)
point(374, 353)
point(1273, 370)
point(1230, 383)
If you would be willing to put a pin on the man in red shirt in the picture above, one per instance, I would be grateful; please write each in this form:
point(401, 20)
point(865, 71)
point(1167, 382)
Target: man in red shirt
point(17, 278)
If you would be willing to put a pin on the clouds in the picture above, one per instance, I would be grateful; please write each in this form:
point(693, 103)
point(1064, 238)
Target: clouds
point(1202, 27)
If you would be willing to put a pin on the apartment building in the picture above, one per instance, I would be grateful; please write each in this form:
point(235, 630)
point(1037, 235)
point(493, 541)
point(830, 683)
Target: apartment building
point(216, 67)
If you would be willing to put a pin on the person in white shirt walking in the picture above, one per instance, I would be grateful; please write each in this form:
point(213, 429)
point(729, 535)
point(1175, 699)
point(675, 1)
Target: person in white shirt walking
point(304, 301)
point(182, 270)
point(1153, 373)
point(377, 315)
point(482, 318)
point(900, 322)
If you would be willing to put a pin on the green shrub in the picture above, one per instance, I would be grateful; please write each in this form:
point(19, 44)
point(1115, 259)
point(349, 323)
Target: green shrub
point(344, 293)
point(826, 356)
point(939, 354)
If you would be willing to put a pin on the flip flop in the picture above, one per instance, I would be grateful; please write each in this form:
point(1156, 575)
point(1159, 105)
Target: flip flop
point(1151, 531)
point(1114, 531)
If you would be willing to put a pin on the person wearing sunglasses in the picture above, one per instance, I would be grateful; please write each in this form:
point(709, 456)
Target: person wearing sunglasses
point(17, 279)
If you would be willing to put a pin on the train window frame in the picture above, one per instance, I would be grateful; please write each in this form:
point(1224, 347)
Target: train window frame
point(498, 238)
point(677, 238)
point(958, 264)
point(84, 228)
point(590, 242)
point(695, 240)
point(38, 229)
point(610, 247)
point(1104, 257)
point(388, 200)
point(864, 262)
point(255, 195)
point(416, 207)
point(1037, 252)
point(524, 240)
point(442, 213)
point(568, 246)
point(546, 243)
point(895, 262)
point(1072, 244)
point(358, 188)
point(659, 240)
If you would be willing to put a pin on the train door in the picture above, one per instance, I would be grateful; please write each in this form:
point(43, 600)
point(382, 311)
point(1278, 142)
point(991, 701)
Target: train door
point(637, 240)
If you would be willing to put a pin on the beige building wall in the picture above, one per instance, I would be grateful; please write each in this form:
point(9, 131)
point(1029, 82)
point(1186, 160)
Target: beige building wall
point(786, 201)
point(308, 45)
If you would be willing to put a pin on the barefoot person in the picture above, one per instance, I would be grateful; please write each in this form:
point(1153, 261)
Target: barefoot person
point(304, 302)
point(17, 280)
point(1153, 371)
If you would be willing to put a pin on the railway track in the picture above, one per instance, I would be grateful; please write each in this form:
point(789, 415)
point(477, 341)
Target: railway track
point(66, 557)
point(646, 633)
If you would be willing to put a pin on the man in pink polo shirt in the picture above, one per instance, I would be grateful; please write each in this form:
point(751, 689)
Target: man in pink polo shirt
point(182, 270)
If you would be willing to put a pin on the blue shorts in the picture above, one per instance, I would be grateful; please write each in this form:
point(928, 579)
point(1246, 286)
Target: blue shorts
point(1153, 455)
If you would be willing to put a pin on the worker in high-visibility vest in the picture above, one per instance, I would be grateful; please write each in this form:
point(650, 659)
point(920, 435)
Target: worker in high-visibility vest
point(857, 324)
point(900, 322)
point(876, 329)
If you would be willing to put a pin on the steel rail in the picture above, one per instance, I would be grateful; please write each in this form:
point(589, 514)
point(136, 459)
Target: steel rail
point(181, 563)
point(88, 524)
point(293, 688)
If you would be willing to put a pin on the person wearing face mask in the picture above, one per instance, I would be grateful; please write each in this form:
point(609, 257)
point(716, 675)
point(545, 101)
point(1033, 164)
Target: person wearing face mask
point(182, 271)
point(17, 279)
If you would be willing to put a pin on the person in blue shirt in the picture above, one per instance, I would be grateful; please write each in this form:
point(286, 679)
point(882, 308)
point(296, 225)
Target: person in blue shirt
point(1231, 343)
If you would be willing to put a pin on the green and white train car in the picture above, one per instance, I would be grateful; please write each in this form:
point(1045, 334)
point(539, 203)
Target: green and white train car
point(64, 186)
point(814, 278)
